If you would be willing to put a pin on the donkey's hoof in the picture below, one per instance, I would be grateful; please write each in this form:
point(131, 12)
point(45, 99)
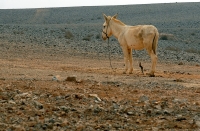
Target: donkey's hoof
point(130, 72)
point(150, 75)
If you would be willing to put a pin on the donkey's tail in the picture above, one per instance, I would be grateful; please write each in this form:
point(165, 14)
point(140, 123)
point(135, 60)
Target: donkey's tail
point(155, 42)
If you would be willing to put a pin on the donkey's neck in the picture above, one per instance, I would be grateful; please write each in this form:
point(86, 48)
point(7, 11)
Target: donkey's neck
point(117, 28)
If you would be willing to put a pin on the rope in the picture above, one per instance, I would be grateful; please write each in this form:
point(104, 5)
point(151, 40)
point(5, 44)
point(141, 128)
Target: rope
point(108, 45)
point(110, 56)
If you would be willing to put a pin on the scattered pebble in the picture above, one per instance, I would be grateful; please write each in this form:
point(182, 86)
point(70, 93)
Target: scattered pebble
point(71, 78)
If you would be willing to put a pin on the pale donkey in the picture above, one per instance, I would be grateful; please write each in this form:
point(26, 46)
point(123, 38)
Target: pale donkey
point(132, 37)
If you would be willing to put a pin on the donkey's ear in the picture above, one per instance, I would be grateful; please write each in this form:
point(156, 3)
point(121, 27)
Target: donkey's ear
point(105, 17)
point(115, 16)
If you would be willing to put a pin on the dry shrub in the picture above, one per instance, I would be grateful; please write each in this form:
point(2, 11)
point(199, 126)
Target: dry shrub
point(68, 35)
point(87, 38)
point(165, 36)
point(18, 32)
point(98, 36)
point(192, 50)
point(172, 48)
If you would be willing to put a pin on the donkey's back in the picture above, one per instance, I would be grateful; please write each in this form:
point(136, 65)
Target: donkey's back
point(141, 36)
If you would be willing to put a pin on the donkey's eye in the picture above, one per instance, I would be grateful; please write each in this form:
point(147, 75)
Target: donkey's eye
point(104, 26)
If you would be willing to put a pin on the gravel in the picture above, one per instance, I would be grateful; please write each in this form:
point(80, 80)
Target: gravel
point(36, 110)
point(168, 50)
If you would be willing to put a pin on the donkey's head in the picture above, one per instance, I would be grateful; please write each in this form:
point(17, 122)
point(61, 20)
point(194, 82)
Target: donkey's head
point(107, 31)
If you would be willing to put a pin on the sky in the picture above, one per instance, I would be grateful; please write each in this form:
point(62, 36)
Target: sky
point(21, 4)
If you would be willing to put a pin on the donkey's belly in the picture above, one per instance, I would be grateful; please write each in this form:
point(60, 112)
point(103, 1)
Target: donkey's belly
point(136, 46)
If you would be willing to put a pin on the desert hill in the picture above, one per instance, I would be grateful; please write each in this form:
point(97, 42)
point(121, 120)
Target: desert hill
point(162, 15)
point(79, 28)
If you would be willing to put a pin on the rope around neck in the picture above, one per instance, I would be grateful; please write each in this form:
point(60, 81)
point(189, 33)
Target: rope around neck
point(108, 45)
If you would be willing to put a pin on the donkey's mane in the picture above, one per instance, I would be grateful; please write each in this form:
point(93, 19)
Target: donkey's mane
point(118, 21)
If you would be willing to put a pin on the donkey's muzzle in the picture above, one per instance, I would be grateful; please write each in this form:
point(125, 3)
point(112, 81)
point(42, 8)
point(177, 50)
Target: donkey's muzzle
point(104, 33)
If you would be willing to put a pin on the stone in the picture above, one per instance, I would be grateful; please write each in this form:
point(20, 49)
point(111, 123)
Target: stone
point(95, 96)
point(11, 102)
point(155, 128)
point(64, 123)
point(143, 98)
point(71, 78)
point(197, 123)
point(17, 128)
point(54, 78)
point(38, 105)
point(115, 106)
point(130, 113)
point(180, 63)
point(64, 108)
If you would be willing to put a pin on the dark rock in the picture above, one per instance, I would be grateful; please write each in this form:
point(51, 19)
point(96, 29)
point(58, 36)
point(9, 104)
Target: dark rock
point(71, 78)
point(180, 63)
point(64, 108)
point(38, 105)
point(143, 98)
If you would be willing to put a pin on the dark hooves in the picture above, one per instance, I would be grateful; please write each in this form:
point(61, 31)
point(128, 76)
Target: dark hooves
point(150, 75)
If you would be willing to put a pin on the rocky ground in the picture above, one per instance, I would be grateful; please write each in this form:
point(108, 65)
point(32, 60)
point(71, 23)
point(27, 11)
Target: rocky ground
point(57, 76)
point(54, 90)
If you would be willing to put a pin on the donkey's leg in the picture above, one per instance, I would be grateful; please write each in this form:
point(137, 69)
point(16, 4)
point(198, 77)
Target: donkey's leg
point(130, 61)
point(149, 47)
point(126, 58)
point(153, 61)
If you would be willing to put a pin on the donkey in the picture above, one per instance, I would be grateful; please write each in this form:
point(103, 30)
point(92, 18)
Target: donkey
point(132, 37)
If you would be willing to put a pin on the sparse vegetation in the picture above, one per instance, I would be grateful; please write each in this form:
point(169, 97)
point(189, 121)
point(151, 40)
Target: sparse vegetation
point(165, 36)
point(192, 50)
point(52, 31)
point(68, 35)
point(87, 38)
point(172, 48)
point(98, 36)
point(18, 32)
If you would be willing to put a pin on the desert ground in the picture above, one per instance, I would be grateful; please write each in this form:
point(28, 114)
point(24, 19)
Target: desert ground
point(55, 71)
